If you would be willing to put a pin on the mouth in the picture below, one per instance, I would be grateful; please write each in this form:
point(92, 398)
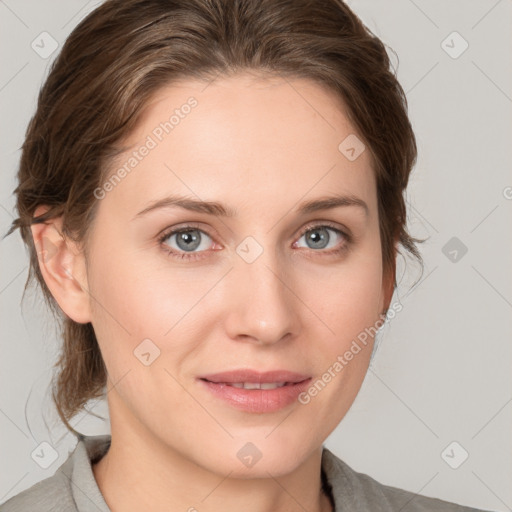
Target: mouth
point(265, 394)
point(255, 385)
point(253, 379)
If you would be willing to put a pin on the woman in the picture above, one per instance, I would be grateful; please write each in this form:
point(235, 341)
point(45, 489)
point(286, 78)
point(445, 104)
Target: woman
point(212, 196)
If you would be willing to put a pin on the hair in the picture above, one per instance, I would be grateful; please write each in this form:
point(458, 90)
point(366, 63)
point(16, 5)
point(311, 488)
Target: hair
point(124, 51)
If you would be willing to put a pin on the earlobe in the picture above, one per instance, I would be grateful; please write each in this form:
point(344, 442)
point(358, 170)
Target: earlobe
point(62, 265)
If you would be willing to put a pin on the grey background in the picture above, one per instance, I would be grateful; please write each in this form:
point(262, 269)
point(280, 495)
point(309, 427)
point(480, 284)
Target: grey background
point(441, 372)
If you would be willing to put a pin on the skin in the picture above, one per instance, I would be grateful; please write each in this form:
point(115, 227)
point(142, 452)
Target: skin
point(262, 147)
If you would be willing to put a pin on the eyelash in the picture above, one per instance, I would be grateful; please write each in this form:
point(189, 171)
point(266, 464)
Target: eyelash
point(195, 256)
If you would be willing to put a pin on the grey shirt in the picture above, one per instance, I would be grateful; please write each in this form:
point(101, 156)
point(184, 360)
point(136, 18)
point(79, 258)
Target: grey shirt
point(73, 488)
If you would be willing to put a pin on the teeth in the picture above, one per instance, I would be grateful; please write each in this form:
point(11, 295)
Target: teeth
point(256, 385)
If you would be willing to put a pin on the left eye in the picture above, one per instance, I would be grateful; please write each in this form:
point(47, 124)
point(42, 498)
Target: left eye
point(318, 237)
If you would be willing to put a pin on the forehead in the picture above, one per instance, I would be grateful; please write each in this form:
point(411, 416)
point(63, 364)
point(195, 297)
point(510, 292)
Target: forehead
point(253, 137)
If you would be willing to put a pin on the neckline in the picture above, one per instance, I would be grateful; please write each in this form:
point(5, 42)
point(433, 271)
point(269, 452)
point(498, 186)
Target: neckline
point(327, 488)
point(97, 446)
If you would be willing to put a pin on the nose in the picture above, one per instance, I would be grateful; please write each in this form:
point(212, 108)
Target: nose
point(262, 308)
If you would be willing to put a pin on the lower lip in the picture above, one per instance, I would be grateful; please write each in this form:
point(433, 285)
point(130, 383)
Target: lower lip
point(258, 400)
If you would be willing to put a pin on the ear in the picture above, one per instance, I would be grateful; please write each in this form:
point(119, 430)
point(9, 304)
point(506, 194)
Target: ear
point(388, 285)
point(62, 265)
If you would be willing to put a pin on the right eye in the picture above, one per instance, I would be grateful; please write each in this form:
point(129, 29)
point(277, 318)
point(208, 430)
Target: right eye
point(187, 240)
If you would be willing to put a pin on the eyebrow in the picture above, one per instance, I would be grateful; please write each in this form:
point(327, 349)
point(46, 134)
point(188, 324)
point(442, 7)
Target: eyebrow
point(219, 210)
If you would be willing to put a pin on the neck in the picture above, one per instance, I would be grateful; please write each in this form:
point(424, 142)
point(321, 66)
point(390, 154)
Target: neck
point(139, 474)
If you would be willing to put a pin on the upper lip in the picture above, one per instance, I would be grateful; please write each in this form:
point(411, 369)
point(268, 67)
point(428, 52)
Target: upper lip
point(253, 376)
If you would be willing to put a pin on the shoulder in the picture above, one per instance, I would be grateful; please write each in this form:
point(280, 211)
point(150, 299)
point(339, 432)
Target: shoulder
point(52, 494)
point(71, 489)
point(360, 492)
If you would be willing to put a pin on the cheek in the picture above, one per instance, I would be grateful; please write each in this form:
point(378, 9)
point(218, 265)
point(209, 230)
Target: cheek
point(136, 298)
point(348, 303)
point(347, 300)
point(346, 296)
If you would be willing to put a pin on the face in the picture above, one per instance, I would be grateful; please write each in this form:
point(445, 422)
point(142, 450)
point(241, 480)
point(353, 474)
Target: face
point(268, 286)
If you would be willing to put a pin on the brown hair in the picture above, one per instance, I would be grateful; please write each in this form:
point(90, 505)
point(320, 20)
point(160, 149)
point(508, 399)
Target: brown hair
point(125, 50)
